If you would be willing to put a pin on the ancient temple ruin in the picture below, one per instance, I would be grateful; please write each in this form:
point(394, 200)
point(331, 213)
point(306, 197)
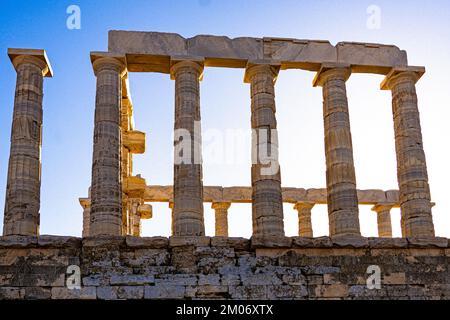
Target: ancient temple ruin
point(189, 264)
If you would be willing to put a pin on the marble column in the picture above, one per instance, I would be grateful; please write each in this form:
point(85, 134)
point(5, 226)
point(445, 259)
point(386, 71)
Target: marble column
point(135, 217)
point(221, 218)
point(267, 203)
point(342, 196)
point(86, 204)
point(171, 205)
point(23, 186)
point(188, 184)
point(384, 220)
point(106, 186)
point(415, 198)
point(304, 218)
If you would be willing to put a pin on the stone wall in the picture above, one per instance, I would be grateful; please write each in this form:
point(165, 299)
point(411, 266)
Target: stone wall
point(225, 268)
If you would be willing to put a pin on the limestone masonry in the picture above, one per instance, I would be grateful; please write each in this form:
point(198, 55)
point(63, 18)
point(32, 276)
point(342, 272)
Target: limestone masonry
point(115, 262)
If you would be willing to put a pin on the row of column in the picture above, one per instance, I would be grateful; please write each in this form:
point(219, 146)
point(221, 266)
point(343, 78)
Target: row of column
point(304, 210)
point(22, 200)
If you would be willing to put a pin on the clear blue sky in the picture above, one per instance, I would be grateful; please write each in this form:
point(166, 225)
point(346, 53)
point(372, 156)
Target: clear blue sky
point(420, 27)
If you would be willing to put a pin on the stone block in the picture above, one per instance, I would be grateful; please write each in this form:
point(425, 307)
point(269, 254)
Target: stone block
point(130, 292)
point(147, 242)
point(164, 291)
point(11, 293)
point(131, 280)
point(422, 242)
point(107, 293)
point(209, 279)
point(179, 241)
point(394, 278)
point(59, 242)
point(177, 279)
point(350, 242)
point(18, 241)
point(104, 241)
point(387, 243)
point(336, 290)
point(64, 293)
point(270, 242)
point(238, 244)
point(37, 293)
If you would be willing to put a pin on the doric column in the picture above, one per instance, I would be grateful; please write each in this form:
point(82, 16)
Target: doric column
point(135, 217)
point(221, 218)
point(188, 184)
point(342, 197)
point(384, 220)
point(267, 203)
point(86, 204)
point(106, 186)
point(24, 171)
point(415, 199)
point(304, 218)
point(171, 205)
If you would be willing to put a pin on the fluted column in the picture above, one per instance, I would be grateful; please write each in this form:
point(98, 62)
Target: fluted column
point(106, 186)
point(384, 220)
point(23, 187)
point(221, 217)
point(188, 184)
point(304, 218)
point(415, 198)
point(267, 203)
point(342, 197)
point(172, 229)
point(135, 217)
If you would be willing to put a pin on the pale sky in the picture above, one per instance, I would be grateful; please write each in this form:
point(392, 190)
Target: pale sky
point(422, 28)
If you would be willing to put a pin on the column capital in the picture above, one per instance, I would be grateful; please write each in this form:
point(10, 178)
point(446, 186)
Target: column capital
point(304, 205)
point(85, 202)
point(177, 62)
point(37, 57)
point(380, 207)
point(253, 66)
point(328, 70)
point(102, 60)
point(220, 205)
point(398, 73)
point(145, 211)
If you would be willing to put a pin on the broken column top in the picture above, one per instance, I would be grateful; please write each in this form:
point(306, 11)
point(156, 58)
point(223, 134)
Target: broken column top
point(39, 54)
point(152, 52)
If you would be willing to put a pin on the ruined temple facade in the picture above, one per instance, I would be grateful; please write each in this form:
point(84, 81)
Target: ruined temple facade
point(116, 262)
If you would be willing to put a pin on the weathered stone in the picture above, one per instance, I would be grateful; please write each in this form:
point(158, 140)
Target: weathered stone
point(162, 291)
point(210, 280)
point(13, 241)
point(151, 242)
point(426, 242)
point(350, 241)
point(182, 241)
point(302, 242)
point(238, 244)
point(387, 243)
point(337, 290)
point(59, 242)
point(104, 241)
point(14, 293)
point(130, 292)
point(132, 279)
point(63, 293)
point(107, 293)
point(271, 242)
